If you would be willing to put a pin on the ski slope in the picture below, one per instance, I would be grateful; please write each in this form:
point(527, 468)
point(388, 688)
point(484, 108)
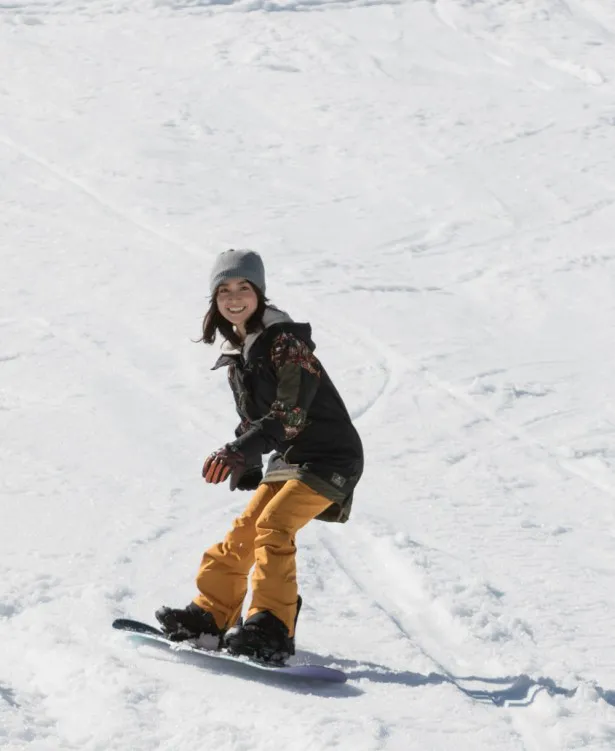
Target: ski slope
point(432, 186)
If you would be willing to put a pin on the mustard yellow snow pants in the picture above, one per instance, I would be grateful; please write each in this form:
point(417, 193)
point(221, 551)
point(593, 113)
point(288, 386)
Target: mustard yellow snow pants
point(263, 537)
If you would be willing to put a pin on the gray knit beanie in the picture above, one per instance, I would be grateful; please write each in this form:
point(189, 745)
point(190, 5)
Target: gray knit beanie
point(238, 264)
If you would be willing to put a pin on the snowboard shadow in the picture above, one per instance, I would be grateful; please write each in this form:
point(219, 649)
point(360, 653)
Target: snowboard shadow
point(246, 672)
point(507, 691)
point(510, 691)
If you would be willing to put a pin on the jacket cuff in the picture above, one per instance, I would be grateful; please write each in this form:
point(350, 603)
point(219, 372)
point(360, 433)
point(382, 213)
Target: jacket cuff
point(251, 444)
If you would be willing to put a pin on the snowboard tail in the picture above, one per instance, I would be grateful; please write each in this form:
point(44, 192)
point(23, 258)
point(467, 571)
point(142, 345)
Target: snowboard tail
point(143, 632)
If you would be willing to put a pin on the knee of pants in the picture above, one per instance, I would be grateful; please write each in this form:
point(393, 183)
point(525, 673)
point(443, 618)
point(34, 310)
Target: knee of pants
point(270, 525)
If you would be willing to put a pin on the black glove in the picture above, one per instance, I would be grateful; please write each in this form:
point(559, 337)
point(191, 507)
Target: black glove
point(248, 480)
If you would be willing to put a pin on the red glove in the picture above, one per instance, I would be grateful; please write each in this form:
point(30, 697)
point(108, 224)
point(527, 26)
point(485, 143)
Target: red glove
point(223, 462)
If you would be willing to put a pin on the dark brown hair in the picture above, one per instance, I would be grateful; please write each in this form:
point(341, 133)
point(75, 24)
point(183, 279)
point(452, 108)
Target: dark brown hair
point(215, 323)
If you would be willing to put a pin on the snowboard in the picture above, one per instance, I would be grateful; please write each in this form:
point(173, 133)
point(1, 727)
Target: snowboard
point(143, 632)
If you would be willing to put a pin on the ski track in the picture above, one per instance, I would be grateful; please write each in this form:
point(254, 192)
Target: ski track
point(417, 619)
point(101, 201)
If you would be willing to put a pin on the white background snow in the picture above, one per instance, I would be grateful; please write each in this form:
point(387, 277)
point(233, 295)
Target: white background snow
point(432, 186)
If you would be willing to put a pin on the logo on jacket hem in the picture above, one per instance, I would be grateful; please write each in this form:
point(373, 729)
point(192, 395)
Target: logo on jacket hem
point(338, 480)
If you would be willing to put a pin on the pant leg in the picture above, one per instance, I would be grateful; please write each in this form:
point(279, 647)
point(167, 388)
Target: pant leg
point(274, 581)
point(222, 579)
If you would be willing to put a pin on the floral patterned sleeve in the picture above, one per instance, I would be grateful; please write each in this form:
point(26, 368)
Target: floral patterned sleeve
point(298, 371)
point(298, 374)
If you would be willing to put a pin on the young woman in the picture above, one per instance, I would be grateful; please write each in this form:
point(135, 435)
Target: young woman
point(289, 408)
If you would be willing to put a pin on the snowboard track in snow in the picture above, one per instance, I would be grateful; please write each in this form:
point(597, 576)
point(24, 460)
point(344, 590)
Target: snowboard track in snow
point(418, 621)
point(416, 618)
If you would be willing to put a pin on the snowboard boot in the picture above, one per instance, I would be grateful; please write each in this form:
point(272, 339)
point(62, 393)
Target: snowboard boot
point(263, 637)
point(191, 622)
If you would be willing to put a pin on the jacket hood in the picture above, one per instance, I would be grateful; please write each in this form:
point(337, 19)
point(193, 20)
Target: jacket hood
point(271, 317)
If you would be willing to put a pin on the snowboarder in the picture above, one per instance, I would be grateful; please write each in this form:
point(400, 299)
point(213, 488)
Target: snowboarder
point(287, 405)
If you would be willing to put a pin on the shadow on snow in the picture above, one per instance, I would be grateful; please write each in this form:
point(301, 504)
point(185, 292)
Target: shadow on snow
point(510, 691)
point(7, 694)
point(247, 672)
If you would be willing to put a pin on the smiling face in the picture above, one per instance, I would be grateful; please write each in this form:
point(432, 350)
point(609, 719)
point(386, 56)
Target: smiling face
point(237, 301)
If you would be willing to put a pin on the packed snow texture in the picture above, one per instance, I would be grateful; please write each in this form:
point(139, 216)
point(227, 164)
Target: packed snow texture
point(432, 186)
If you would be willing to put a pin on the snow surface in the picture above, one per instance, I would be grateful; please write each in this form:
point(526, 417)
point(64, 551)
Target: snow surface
point(432, 185)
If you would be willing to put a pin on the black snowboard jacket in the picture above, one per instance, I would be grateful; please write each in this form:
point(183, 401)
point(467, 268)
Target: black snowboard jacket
point(288, 405)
